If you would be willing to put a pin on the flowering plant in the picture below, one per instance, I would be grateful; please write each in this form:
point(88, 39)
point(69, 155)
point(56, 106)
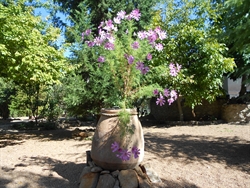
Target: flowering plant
point(125, 54)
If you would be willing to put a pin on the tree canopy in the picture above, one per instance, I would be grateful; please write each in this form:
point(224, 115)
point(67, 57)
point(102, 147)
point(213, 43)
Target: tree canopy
point(27, 46)
point(193, 44)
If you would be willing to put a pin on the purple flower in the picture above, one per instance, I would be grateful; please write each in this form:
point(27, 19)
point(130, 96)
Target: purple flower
point(115, 147)
point(166, 92)
point(101, 59)
point(156, 92)
point(159, 47)
point(135, 14)
point(139, 65)
point(124, 155)
point(90, 43)
point(88, 32)
point(130, 59)
point(152, 38)
point(109, 46)
point(121, 14)
point(145, 70)
point(135, 45)
point(160, 101)
point(149, 56)
point(136, 152)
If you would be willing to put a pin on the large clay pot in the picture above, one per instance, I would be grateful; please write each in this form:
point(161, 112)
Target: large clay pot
point(107, 132)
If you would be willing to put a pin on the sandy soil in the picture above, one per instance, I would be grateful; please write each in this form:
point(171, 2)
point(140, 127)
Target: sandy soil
point(207, 156)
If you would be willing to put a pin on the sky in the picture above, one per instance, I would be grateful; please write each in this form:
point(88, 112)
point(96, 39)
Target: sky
point(45, 15)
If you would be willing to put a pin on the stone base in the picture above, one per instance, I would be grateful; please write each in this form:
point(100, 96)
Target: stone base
point(93, 176)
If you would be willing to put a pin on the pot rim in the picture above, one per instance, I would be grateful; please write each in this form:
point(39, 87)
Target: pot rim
point(115, 111)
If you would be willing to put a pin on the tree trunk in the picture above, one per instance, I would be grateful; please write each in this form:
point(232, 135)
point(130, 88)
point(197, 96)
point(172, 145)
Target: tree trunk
point(243, 88)
point(180, 108)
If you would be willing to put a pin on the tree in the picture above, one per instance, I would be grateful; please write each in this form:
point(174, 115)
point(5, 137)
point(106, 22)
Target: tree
point(7, 90)
point(236, 24)
point(27, 54)
point(192, 43)
point(100, 10)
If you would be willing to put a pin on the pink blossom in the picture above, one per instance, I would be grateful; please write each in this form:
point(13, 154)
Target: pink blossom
point(101, 25)
point(98, 41)
point(155, 92)
point(142, 35)
point(166, 92)
point(162, 35)
point(117, 20)
point(111, 39)
point(159, 47)
point(135, 14)
point(135, 45)
point(158, 29)
point(101, 59)
point(170, 101)
point(102, 34)
point(149, 56)
point(173, 94)
point(88, 32)
point(109, 25)
point(121, 14)
point(173, 69)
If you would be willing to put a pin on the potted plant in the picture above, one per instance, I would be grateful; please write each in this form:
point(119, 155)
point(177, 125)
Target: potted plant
point(124, 56)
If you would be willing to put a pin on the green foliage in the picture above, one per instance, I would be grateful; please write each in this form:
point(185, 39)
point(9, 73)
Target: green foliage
point(27, 54)
point(96, 83)
point(192, 43)
point(124, 120)
point(236, 23)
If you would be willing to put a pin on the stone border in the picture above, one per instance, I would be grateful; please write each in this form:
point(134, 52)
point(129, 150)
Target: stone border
point(94, 176)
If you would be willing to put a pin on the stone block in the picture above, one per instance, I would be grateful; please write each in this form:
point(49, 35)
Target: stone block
point(106, 180)
point(89, 180)
point(128, 179)
point(86, 169)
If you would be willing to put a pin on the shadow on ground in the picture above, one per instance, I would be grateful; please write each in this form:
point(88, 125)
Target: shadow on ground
point(58, 174)
point(10, 136)
point(233, 151)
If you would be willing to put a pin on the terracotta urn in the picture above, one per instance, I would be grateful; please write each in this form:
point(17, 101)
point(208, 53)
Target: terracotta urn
point(108, 131)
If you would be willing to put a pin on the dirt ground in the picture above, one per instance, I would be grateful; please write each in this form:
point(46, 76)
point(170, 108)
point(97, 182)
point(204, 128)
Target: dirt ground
point(204, 156)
